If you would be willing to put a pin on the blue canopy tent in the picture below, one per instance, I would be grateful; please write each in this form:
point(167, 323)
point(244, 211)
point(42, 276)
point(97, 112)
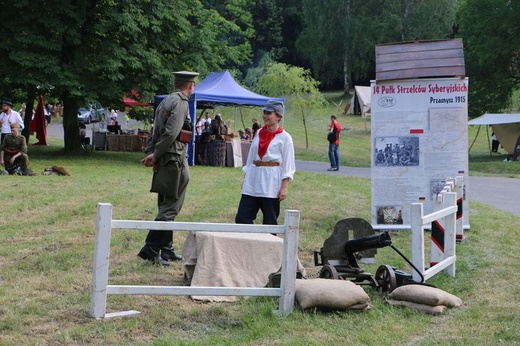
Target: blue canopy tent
point(218, 89)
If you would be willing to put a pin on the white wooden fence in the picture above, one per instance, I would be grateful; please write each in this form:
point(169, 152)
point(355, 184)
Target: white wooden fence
point(105, 224)
point(437, 228)
point(448, 214)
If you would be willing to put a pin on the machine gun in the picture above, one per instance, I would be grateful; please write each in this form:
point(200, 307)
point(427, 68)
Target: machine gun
point(339, 257)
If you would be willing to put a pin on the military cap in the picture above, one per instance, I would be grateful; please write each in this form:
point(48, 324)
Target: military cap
point(185, 76)
point(274, 106)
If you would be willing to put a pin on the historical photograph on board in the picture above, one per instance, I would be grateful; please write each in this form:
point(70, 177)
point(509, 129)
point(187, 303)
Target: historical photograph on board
point(390, 215)
point(396, 151)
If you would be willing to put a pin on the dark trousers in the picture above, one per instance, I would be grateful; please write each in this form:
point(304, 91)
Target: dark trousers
point(169, 207)
point(249, 206)
point(494, 146)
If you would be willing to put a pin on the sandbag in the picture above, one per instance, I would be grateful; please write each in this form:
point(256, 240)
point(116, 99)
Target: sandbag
point(432, 310)
point(329, 294)
point(427, 295)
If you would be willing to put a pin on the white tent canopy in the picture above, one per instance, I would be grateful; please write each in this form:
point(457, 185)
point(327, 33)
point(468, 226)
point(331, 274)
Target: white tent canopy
point(505, 126)
point(492, 119)
point(360, 102)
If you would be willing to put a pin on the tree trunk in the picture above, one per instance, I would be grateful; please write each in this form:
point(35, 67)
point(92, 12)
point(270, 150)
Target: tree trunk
point(346, 79)
point(70, 124)
point(305, 130)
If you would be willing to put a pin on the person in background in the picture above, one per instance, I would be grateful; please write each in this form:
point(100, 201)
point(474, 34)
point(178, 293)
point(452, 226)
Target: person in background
point(256, 126)
point(335, 126)
point(207, 123)
point(218, 127)
point(113, 117)
point(13, 152)
point(168, 156)
point(84, 140)
point(269, 168)
point(249, 134)
point(199, 126)
point(8, 117)
point(494, 143)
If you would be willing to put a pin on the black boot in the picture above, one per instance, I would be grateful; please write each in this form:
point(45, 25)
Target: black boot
point(168, 254)
point(149, 254)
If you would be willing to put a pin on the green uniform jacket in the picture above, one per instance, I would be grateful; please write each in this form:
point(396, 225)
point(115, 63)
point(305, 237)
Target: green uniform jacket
point(170, 116)
point(12, 145)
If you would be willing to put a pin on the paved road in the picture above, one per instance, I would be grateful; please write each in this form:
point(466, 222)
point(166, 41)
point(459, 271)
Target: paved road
point(500, 193)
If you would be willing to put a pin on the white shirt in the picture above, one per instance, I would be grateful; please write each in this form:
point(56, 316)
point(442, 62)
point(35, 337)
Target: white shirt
point(8, 119)
point(266, 181)
point(199, 127)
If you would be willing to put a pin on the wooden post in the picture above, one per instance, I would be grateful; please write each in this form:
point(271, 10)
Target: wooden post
point(416, 223)
point(98, 298)
point(289, 260)
point(450, 233)
point(459, 189)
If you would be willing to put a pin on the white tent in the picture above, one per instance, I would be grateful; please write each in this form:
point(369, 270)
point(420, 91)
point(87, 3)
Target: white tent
point(505, 126)
point(360, 102)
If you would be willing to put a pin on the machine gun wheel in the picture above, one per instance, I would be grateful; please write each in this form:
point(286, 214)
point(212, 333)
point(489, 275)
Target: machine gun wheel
point(385, 277)
point(329, 272)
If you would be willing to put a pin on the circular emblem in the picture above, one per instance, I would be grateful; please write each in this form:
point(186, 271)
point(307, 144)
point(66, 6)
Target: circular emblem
point(386, 102)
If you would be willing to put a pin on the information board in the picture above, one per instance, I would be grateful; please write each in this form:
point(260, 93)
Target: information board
point(419, 132)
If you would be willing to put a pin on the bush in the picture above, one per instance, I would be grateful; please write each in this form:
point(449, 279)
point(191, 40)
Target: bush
point(142, 114)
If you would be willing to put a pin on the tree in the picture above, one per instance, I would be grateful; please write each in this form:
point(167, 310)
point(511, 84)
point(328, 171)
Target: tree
point(491, 36)
point(339, 36)
point(267, 24)
point(99, 50)
point(142, 114)
point(255, 73)
point(297, 86)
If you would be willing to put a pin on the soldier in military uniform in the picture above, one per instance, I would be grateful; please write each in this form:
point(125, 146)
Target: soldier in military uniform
point(13, 152)
point(167, 154)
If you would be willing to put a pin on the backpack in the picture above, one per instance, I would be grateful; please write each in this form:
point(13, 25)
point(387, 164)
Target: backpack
point(331, 136)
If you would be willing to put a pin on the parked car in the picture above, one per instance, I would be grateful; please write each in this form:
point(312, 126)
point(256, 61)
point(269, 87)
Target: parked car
point(91, 113)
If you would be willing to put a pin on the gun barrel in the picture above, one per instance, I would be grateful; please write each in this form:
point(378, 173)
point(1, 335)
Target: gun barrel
point(368, 242)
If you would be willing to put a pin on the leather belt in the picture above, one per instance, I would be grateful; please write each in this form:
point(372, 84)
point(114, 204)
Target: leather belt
point(262, 163)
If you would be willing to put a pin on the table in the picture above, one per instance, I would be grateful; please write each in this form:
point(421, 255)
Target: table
point(220, 153)
point(231, 157)
point(222, 259)
point(124, 143)
point(212, 153)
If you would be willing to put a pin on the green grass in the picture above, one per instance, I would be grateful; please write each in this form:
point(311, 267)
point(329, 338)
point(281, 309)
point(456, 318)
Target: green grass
point(48, 229)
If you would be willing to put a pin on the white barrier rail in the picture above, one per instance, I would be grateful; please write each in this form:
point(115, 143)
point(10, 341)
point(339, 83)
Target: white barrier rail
point(448, 214)
point(105, 224)
point(437, 228)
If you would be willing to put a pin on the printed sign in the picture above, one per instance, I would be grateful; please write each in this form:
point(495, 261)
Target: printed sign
point(419, 139)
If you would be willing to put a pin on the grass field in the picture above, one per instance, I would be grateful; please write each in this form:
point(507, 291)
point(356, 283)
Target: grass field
point(48, 229)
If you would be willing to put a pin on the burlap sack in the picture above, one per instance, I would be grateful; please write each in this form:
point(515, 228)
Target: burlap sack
point(427, 295)
point(432, 310)
point(329, 294)
point(360, 307)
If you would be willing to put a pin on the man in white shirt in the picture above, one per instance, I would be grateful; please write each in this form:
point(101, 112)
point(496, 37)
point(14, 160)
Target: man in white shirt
point(8, 117)
point(206, 123)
